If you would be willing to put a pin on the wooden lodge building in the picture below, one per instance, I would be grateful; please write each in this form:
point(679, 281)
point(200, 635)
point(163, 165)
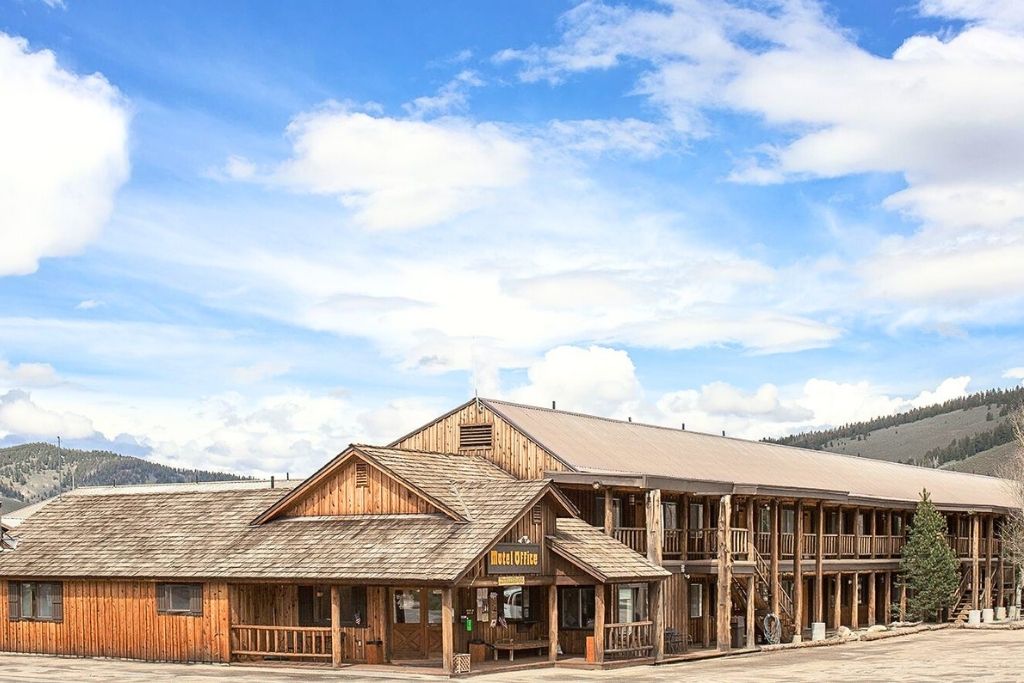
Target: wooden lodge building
point(498, 530)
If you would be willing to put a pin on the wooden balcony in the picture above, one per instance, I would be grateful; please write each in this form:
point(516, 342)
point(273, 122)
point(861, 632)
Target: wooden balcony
point(634, 537)
point(628, 641)
point(291, 642)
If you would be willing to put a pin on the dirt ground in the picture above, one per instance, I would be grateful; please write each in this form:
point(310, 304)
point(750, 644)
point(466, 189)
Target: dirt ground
point(951, 656)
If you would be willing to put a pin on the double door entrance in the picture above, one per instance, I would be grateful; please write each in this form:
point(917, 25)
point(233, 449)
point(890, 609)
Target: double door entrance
point(415, 623)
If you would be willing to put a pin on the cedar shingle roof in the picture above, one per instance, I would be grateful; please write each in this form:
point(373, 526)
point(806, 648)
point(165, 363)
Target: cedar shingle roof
point(205, 532)
point(599, 554)
point(586, 443)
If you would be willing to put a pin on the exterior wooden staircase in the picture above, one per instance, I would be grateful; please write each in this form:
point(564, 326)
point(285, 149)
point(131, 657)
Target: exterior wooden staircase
point(762, 597)
point(962, 601)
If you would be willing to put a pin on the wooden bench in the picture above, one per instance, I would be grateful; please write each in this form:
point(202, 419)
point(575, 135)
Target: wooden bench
point(513, 645)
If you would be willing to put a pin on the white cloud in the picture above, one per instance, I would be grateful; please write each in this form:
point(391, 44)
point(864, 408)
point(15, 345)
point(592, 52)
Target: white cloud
point(595, 379)
point(950, 388)
point(65, 154)
point(397, 173)
point(942, 111)
point(1014, 373)
point(20, 415)
point(258, 372)
point(88, 305)
point(452, 97)
point(600, 136)
point(28, 374)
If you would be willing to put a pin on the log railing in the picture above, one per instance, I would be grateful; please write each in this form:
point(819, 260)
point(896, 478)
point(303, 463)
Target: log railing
point(738, 543)
point(830, 545)
point(810, 545)
point(626, 641)
point(786, 545)
point(300, 642)
point(702, 543)
point(673, 543)
point(846, 545)
point(634, 537)
point(961, 545)
point(864, 546)
point(764, 542)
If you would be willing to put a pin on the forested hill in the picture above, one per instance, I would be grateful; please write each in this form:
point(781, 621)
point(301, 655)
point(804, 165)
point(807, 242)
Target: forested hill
point(970, 434)
point(34, 471)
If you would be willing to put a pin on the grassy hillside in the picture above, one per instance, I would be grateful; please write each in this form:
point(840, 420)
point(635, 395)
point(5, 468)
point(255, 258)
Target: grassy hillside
point(34, 471)
point(969, 434)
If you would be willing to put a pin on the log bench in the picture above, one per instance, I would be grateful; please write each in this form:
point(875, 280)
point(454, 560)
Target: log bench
point(513, 645)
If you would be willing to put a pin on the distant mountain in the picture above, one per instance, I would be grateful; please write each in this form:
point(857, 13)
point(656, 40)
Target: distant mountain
point(35, 471)
point(969, 434)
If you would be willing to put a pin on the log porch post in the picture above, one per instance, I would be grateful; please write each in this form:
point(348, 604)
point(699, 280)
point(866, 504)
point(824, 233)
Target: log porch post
point(447, 631)
point(656, 608)
point(655, 546)
point(855, 602)
point(990, 538)
point(553, 623)
point(975, 561)
point(798, 574)
point(887, 598)
point(336, 651)
point(609, 518)
point(903, 601)
point(837, 605)
point(776, 587)
point(856, 532)
point(685, 541)
point(686, 612)
point(724, 612)
point(751, 603)
point(872, 597)
point(599, 611)
point(819, 568)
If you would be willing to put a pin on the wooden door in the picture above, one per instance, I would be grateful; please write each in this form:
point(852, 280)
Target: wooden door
point(408, 639)
point(416, 623)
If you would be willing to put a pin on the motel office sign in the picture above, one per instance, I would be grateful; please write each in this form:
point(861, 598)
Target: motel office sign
point(514, 558)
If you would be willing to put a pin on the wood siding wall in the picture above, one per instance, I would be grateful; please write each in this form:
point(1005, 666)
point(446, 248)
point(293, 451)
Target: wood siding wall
point(339, 495)
point(278, 605)
point(512, 450)
point(119, 619)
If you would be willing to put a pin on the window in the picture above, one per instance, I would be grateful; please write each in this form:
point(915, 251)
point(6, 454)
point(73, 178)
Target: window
point(616, 512)
point(434, 607)
point(670, 514)
point(696, 600)
point(407, 607)
point(179, 598)
point(35, 601)
point(631, 603)
point(517, 603)
point(576, 608)
point(696, 516)
point(476, 436)
point(788, 521)
point(314, 606)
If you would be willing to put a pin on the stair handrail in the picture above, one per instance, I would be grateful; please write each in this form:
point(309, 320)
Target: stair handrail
point(764, 572)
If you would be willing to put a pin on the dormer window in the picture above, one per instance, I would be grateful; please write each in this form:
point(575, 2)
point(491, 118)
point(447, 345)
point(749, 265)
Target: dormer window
point(476, 436)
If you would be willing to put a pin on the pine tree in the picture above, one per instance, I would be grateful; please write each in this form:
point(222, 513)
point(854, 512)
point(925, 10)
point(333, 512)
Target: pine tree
point(928, 566)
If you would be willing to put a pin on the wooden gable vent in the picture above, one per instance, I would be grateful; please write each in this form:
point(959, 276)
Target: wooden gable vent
point(362, 475)
point(476, 436)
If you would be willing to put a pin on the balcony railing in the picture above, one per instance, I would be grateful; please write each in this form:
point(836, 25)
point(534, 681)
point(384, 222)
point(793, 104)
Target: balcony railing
point(674, 542)
point(634, 537)
point(628, 641)
point(786, 545)
point(738, 543)
point(298, 642)
point(702, 543)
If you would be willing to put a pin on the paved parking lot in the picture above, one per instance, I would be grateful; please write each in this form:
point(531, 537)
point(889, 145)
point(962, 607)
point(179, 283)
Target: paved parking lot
point(952, 656)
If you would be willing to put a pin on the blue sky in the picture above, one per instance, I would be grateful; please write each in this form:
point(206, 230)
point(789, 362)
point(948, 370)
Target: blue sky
point(243, 235)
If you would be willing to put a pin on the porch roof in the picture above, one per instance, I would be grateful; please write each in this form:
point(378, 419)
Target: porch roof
point(600, 555)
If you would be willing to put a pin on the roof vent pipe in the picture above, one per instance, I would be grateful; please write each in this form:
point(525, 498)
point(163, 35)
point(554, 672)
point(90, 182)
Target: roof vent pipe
point(271, 481)
point(630, 418)
point(723, 432)
point(684, 427)
point(553, 406)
